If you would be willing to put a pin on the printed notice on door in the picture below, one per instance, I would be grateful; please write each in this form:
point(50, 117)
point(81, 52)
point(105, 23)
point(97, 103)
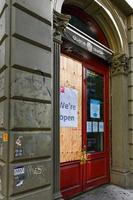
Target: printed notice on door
point(94, 108)
point(68, 107)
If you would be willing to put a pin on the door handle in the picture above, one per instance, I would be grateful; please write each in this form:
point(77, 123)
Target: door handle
point(83, 159)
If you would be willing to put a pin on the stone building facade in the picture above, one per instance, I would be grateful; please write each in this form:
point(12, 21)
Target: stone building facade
point(30, 41)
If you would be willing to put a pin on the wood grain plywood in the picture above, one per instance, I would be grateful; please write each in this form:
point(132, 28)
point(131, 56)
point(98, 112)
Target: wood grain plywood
point(71, 138)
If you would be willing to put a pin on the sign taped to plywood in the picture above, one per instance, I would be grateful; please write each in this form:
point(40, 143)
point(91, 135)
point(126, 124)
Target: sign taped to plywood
point(68, 107)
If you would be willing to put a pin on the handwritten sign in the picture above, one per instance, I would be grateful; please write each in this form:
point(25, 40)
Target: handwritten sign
point(68, 107)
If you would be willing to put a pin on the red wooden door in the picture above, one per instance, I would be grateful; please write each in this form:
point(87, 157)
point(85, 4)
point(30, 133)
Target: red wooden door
point(84, 170)
point(96, 124)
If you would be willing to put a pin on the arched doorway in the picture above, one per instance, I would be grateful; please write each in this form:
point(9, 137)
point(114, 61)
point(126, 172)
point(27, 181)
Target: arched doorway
point(84, 105)
point(106, 17)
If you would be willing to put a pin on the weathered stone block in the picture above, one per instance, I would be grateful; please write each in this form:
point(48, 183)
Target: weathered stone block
point(130, 122)
point(130, 107)
point(130, 35)
point(2, 197)
point(2, 55)
point(30, 115)
point(131, 64)
point(31, 28)
point(131, 45)
point(3, 174)
point(30, 56)
point(120, 178)
point(27, 176)
point(2, 84)
point(3, 148)
point(43, 194)
point(131, 164)
point(2, 4)
point(2, 25)
point(1, 145)
point(37, 7)
point(130, 141)
point(130, 79)
point(25, 84)
point(30, 145)
point(130, 21)
point(2, 111)
point(130, 93)
point(131, 151)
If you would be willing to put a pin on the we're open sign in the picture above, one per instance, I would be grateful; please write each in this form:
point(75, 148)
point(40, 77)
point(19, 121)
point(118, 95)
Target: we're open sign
point(68, 107)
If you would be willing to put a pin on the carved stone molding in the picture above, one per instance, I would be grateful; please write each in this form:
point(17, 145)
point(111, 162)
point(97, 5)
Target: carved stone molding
point(60, 22)
point(119, 64)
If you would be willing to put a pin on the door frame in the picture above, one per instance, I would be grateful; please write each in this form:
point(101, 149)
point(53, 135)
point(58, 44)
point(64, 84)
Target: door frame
point(92, 64)
point(103, 69)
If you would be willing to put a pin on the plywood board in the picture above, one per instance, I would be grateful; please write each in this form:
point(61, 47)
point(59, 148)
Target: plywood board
point(71, 138)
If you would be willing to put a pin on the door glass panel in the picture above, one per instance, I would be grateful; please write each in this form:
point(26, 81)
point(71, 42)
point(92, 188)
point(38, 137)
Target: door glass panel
point(95, 112)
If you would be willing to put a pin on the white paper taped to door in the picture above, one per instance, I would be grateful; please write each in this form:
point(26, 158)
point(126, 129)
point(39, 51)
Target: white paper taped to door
point(68, 107)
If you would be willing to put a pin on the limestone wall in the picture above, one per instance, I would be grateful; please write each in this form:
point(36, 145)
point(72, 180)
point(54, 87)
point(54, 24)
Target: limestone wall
point(25, 99)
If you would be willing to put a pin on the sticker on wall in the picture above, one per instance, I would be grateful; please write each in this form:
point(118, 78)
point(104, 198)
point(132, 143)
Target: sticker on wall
point(62, 89)
point(19, 176)
point(19, 141)
point(5, 137)
point(19, 183)
point(68, 107)
point(19, 170)
point(95, 126)
point(89, 127)
point(18, 152)
point(101, 126)
point(18, 146)
point(94, 108)
point(38, 171)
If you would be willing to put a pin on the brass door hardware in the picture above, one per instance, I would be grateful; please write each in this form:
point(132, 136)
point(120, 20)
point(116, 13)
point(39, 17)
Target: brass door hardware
point(83, 159)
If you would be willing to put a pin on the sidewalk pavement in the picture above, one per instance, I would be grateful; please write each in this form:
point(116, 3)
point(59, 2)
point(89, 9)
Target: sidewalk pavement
point(107, 192)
